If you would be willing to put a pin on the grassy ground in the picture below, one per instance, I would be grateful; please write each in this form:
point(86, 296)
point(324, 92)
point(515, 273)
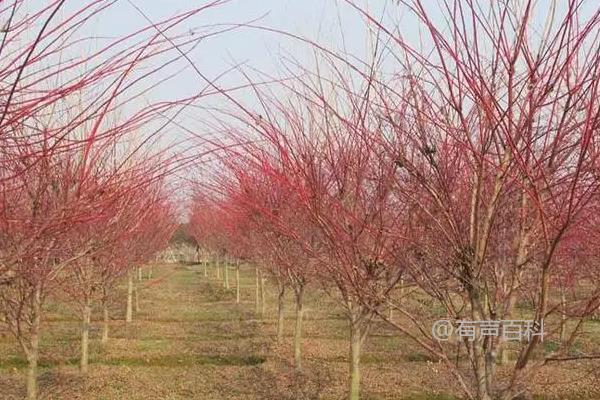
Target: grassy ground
point(191, 341)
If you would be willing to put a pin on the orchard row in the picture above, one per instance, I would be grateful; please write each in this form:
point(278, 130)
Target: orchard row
point(455, 177)
point(84, 191)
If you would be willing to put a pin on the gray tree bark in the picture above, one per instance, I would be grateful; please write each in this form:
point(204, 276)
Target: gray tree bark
point(355, 350)
point(237, 283)
point(137, 298)
point(129, 312)
point(85, 336)
point(226, 270)
point(299, 298)
point(34, 342)
point(105, 323)
point(280, 312)
point(257, 297)
point(262, 295)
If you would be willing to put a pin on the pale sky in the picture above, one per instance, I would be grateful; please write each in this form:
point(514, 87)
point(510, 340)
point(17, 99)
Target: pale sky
point(332, 23)
point(315, 19)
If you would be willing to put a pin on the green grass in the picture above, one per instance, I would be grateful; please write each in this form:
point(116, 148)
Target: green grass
point(184, 360)
point(551, 346)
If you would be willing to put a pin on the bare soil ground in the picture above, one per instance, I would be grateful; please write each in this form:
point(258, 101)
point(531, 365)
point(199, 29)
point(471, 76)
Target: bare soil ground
point(191, 341)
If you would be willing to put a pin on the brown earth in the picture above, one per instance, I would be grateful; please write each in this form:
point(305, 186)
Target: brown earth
point(191, 341)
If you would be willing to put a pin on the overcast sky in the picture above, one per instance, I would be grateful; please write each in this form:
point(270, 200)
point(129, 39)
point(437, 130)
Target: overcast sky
point(320, 20)
point(315, 19)
point(333, 24)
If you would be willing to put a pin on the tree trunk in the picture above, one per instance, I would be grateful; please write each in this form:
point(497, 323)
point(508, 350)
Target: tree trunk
point(137, 298)
point(502, 352)
point(34, 342)
point(563, 315)
point(479, 354)
point(150, 271)
point(299, 297)
point(490, 365)
point(32, 373)
point(262, 295)
point(257, 297)
point(280, 312)
point(105, 323)
point(480, 365)
point(356, 336)
point(522, 254)
point(218, 268)
point(85, 336)
point(226, 266)
point(129, 314)
point(237, 284)
point(140, 276)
